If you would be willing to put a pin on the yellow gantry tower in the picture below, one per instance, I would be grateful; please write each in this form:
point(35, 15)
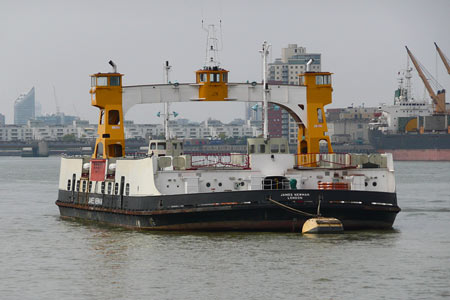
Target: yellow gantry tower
point(106, 94)
point(318, 94)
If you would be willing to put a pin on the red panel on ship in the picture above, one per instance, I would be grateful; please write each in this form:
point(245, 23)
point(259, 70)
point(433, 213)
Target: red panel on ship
point(98, 167)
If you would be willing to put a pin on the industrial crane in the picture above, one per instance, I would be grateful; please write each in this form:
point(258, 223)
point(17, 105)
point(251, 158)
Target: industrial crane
point(444, 58)
point(437, 98)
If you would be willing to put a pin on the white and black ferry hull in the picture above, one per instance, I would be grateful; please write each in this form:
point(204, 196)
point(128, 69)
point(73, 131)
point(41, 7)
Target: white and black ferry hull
point(241, 210)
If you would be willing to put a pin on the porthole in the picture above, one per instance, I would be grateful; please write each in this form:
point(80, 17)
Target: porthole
point(374, 183)
point(220, 184)
point(366, 183)
point(208, 184)
point(242, 183)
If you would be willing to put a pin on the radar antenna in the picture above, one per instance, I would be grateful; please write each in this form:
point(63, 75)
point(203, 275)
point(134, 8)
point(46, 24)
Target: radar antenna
point(213, 46)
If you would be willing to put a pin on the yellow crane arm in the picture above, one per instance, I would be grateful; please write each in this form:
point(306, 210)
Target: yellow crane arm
point(444, 58)
point(438, 100)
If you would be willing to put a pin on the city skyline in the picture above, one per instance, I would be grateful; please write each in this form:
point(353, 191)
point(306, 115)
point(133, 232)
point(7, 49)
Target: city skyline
point(363, 47)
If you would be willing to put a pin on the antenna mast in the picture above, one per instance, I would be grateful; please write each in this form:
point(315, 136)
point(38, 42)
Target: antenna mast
point(167, 68)
point(264, 53)
point(212, 47)
point(408, 77)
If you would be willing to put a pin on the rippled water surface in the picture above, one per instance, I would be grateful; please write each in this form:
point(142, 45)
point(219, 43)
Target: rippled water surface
point(45, 257)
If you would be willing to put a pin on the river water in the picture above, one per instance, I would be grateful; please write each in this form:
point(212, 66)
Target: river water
point(45, 257)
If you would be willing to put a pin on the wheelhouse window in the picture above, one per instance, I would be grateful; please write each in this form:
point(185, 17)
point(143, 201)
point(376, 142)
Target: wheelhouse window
point(114, 81)
point(93, 81)
point(202, 77)
point(213, 77)
point(323, 79)
point(161, 146)
point(102, 81)
point(225, 77)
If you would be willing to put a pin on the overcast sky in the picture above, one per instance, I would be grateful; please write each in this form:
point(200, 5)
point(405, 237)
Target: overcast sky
point(60, 43)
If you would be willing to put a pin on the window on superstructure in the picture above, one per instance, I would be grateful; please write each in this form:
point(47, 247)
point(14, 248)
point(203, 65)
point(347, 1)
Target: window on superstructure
point(84, 186)
point(274, 148)
point(113, 117)
point(202, 77)
point(78, 185)
point(102, 81)
point(127, 189)
point(90, 186)
point(319, 115)
point(116, 188)
point(68, 185)
point(262, 148)
point(114, 80)
point(161, 146)
point(225, 77)
point(109, 187)
point(103, 187)
point(93, 81)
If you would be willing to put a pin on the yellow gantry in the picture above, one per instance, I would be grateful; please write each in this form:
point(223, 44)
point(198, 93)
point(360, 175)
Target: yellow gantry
point(106, 94)
point(212, 83)
point(318, 94)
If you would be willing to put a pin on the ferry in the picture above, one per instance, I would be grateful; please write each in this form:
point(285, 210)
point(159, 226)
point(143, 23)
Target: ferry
point(265, 189)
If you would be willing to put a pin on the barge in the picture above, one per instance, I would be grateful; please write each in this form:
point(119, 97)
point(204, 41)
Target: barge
point(266, 189)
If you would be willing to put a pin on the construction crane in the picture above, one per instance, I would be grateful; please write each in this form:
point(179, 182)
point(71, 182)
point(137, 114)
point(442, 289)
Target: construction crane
point(444, 58)
point(437, 98)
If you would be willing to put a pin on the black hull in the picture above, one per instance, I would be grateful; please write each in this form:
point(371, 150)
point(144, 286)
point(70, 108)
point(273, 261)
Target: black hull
point(236, 211)
point(409, 141)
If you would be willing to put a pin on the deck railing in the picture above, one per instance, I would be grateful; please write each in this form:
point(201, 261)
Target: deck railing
point(324, 160)
point(220, 160)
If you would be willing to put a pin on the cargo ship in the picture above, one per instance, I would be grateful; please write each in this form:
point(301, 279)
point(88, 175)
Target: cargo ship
point(413, 129)
point(265, 189)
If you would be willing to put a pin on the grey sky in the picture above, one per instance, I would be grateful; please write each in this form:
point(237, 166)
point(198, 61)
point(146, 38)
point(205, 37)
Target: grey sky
point(60, 43)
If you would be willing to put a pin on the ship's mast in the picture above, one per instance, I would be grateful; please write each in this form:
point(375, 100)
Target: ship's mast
point(212, 47)
point(408, 77)
point(264, 53)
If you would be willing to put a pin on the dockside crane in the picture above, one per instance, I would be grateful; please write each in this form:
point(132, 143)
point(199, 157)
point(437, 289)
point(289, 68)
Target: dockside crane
point(444, 58)
point(438, 98)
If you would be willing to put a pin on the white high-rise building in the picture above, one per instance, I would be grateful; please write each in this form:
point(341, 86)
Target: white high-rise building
point(24, 108)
